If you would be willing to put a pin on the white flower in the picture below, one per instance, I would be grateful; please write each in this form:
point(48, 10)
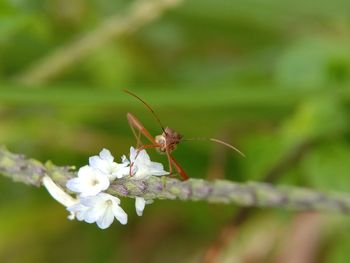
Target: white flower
point(143, 167)
point(102, 209)
point(59, 195)
point(94, 206)
point(57, 192)
point(89, 182)
point(77, 211)
point(140, 204)
point(104, 162)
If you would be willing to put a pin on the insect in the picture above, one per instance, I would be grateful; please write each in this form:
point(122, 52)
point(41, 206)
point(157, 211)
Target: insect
point(166, 142)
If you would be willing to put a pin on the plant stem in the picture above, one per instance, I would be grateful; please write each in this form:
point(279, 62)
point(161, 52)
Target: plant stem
point(29, 171)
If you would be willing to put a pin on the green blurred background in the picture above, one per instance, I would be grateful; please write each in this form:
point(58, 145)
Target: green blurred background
point(271, 77)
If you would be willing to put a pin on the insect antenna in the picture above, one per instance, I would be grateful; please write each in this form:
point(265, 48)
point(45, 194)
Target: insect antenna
point(217, 141)
point(148, 107)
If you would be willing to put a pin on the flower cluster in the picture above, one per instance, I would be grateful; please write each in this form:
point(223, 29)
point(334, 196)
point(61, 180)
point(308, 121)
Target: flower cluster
point(93, 205)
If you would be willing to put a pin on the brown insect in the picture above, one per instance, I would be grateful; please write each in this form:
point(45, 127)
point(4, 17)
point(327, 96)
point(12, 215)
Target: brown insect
point(166, 142)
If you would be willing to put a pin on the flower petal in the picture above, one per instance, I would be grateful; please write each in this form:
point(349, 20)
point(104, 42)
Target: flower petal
point(74, 185)
point(89, 182)
point(57, 192)
point(97, 163)
point(103, 181)
point(120, 214)
point(143, 157)
point(85, 171)
point(71, 216)
point(140, 203)
point(94, 213)
point(122, 172)
point(125, 160)
point(106, 155)
point(132, 154)
point(143, 167)
point(157, 169)
point(78, 210)
point(106, 219)
point(107, 197)
point(90, 192)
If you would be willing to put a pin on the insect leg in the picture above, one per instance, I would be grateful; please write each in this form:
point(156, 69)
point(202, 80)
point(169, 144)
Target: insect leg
point(179, 168)
point(137, 136)
point(136, 124)
point(170, 163)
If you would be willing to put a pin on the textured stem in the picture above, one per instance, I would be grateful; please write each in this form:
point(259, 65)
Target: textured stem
point(29, 171)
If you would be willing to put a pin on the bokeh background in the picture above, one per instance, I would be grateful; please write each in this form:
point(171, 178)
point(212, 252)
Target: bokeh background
point(271, 77)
